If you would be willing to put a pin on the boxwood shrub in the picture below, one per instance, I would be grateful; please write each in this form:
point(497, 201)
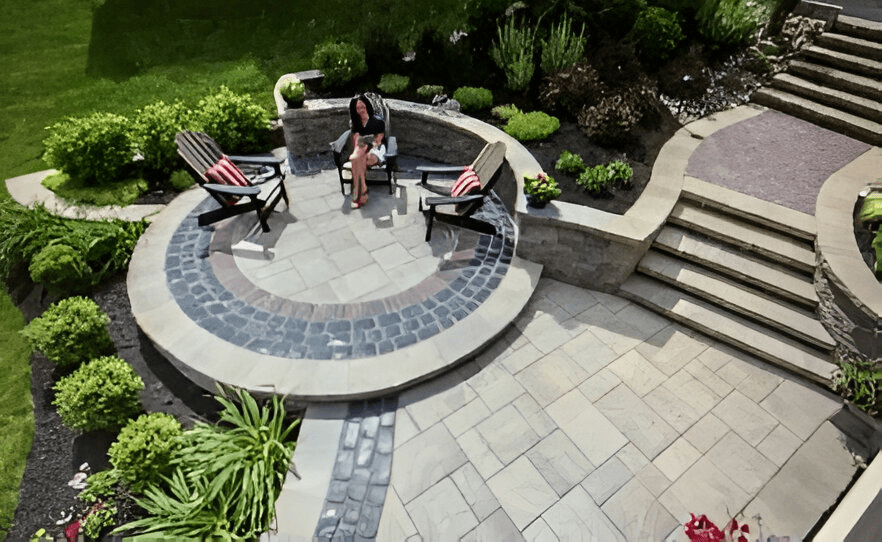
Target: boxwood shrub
point(473, 98)
point(70, 332)
point(61, 269)
point(391, 83)
point(153, 134)
point(144, 447)
point(235, 121)
point(100, 394)
point(339, 62)
point(531, 126)
point(96, 149)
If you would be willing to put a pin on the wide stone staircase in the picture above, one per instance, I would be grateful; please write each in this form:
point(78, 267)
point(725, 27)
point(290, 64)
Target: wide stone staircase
point(836, 82)
point(739, 270)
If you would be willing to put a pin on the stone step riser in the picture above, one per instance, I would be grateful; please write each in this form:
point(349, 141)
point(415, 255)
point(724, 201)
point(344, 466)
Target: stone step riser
point(728, 328)
point(828, 117)
point(851, 45)
point(843, 61)
point(767, 310)
point(837, 99)
point(787, 288)
point(837, 79)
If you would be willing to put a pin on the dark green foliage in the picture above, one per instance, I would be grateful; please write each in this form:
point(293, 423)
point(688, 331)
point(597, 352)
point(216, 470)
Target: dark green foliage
point(657, 33)
point(473, 98)
point(430, 91)
point(70, 332)
point(153, 132)
point(860, 381)
point(227, 477)
point(391, 83)
point(235, 121)
point(105, 245)
point(340, 62)
point(100, 394)
point(61, 269)
point(100, 486)
point(531, 126)
point(96, 149)
point(601, 178)
point(143, 449)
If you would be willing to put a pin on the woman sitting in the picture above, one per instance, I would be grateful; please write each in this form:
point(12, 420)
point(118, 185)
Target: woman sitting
point(367, 141)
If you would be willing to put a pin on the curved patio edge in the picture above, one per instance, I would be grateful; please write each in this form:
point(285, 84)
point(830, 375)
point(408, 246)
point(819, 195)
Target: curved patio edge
point(854, 287)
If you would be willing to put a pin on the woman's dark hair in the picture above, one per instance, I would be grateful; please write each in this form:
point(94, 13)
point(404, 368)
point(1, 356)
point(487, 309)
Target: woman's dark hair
point(354, 118)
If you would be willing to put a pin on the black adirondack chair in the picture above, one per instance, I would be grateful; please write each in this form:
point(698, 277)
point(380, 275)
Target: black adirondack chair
point(200, 152)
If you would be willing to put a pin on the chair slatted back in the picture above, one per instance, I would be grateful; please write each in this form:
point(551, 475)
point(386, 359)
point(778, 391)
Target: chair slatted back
point(199, 151)
point(488, 164)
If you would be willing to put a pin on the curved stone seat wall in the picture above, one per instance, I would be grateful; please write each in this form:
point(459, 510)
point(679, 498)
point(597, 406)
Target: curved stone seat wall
point(576, 244)
point(851, 297)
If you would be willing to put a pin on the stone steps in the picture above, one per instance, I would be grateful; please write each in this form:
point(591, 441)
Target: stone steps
point(837, 82)
point(729, 328)
point(741, 271)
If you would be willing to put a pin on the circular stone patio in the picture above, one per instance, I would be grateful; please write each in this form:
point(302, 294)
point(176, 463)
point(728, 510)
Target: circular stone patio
point(333, 303)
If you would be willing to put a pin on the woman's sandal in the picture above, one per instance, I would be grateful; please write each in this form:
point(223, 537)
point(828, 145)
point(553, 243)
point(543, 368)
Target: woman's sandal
point(360, 201)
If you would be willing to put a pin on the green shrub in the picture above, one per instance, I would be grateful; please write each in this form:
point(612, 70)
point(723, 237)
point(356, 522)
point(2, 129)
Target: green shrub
point(531, 126)
point(473, 98)
point(430, 91)
point(340, 62)
point(143, 449)
point(235, 121)
point(505, 112)
point(570, 163)
point(391, 83)
point(730, 22)
point(657, 33)
point(563, 48)
point(98, 519)
point(122, 192)
point(100, 487)
point(621, 173)
point(227, 477)
point(70, 332)
point(100, 394)
point(860, 381)
point(61, 269)
point(180, 180)
point(513, 53)
point(541, 188)
point(153, 132)
point(96, 149)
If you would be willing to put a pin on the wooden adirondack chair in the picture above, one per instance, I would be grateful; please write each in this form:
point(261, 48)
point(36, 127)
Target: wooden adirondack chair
point(488, 167)
point(201, 153)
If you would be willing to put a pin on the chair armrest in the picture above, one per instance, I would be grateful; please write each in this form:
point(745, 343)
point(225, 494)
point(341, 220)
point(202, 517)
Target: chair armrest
point(450, 200)
point(425, 171)
point(268, 161)
point(232, 190)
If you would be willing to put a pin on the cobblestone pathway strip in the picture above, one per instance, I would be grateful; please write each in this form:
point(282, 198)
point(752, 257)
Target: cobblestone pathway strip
point(268, 324)
point(361, 473)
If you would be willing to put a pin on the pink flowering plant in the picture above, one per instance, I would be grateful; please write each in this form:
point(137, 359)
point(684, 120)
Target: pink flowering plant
point(701, 529)
point(541, 188)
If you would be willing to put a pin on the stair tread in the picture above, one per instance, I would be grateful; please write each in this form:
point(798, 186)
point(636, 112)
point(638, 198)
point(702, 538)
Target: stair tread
point(844, 40)
point(865, 64)
point(856, 26)
point(790, 221)
point(723, 325)
point(852, 125)
point(846, 100)
point(852, 82)
point(703, 284)
point(713, 254)
point(768, 243)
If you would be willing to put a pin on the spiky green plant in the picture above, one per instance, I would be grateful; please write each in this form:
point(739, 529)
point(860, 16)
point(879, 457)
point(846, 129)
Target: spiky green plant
point(513, 53)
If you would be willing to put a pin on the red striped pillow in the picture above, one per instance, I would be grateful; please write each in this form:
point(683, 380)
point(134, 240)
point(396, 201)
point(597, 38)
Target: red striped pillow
point(225, 172)
point(467, 183)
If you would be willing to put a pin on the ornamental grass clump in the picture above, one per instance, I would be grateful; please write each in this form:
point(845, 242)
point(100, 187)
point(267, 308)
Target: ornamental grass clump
point(226, 477)
point(563, 48)
point(100, 394)
point(513, 53)
point(70, 332)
